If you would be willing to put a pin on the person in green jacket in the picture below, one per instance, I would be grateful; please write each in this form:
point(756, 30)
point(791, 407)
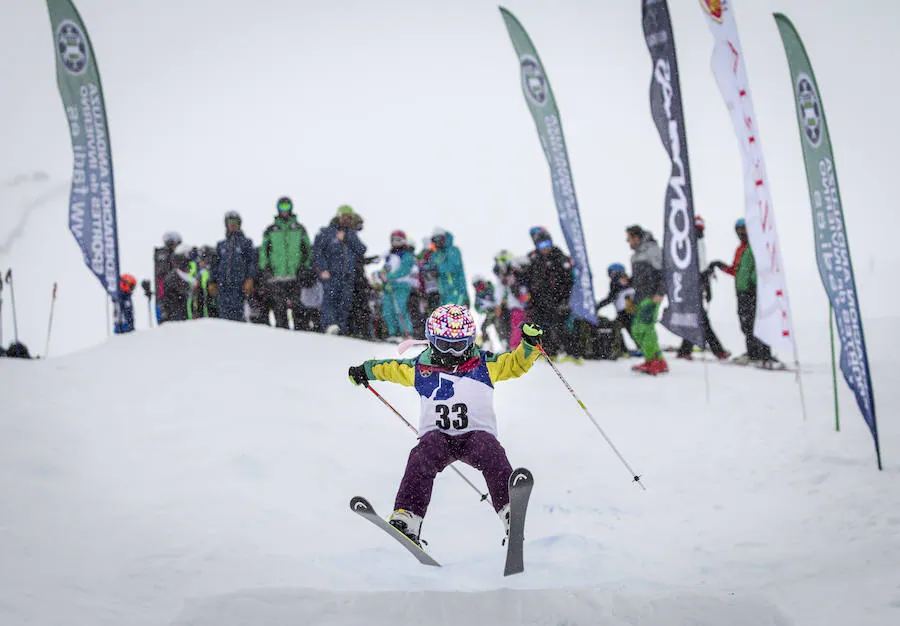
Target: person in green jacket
point(744, 271)
point(285, 262)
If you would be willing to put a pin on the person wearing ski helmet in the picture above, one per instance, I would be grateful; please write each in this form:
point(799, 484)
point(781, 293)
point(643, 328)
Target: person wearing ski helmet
point(285, 261)
point(168, 305)
point(235, 270)
point(172, 290)
point(743, 269)
point(455, 382)
point(649, 290)
point(549, 278)
point(397, 279)
point(513, 297)
point(123, 307)
point(621, 295)
point(486, 304)
point(710, 338)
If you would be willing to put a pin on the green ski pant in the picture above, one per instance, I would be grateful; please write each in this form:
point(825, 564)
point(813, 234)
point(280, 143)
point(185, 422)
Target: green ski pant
point(643, 329)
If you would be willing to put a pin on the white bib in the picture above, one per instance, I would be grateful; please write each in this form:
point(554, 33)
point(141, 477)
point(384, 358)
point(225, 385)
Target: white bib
point(456, 404)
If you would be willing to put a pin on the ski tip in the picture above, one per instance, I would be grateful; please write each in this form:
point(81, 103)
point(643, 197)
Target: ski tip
point(520, 476)
point(359, 504)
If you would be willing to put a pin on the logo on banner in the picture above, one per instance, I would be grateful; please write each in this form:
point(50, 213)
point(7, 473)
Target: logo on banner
point(72, 47)
point(534, 83)
point(810, 110)
point(714, 8)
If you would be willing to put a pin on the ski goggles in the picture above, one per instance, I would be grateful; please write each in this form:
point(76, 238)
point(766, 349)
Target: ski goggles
point(543, 244)
point(285, 206)
point(232, 220)
point(456, 347)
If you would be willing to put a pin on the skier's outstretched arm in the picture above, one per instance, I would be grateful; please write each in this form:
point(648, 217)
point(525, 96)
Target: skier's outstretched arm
point(400, 371)
point(516, 362)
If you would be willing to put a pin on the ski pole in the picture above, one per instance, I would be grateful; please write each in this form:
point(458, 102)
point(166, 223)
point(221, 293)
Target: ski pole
point(145, 284)
point(397, 309)
point(635, 477)
point(50, 323)
point(484, 496)
point(12, 298)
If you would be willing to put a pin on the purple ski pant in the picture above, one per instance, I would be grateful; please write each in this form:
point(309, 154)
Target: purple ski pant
point(436, 450)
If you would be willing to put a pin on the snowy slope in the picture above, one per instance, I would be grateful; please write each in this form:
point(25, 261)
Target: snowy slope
point(207, 482)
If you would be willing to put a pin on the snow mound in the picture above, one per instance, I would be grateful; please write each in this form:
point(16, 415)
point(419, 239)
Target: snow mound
point(201, 472)
point(540, 607)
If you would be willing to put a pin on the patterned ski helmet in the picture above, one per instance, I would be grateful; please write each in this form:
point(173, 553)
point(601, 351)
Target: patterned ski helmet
point(450, 321)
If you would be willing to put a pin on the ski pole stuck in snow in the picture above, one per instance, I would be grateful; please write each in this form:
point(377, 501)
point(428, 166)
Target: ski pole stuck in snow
point(50, 323)
point(484, 496)
point(635, 477)
point(12, 299)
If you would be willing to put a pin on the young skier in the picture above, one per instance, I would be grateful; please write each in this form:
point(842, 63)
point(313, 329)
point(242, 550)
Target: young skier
point(455, 381)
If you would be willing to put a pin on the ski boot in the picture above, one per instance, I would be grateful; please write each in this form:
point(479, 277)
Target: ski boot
point(407, 523)
point(504, 517)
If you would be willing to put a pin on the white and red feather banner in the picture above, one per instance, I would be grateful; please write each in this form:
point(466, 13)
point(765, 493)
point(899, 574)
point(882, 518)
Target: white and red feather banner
point(774, 324)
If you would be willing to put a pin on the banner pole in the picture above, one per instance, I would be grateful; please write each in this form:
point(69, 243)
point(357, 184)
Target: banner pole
point(108, 300)
point(1, 310)
point(706, 378)
point(799, 380)
point(837, 417)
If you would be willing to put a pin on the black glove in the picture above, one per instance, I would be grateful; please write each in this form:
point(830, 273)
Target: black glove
point(716, 264)
point(532, 333)
point(358, 376)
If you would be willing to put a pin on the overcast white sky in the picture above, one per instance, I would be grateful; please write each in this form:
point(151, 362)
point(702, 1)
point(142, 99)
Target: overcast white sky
point(412, 113)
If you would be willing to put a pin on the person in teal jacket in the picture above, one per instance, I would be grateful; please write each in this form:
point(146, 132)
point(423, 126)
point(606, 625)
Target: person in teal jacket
point(447, 260)
point(398, 281)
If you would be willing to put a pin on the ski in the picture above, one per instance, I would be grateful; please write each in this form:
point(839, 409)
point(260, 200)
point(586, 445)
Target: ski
point(361, 507)
point(520, 483)
point(772, 366)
